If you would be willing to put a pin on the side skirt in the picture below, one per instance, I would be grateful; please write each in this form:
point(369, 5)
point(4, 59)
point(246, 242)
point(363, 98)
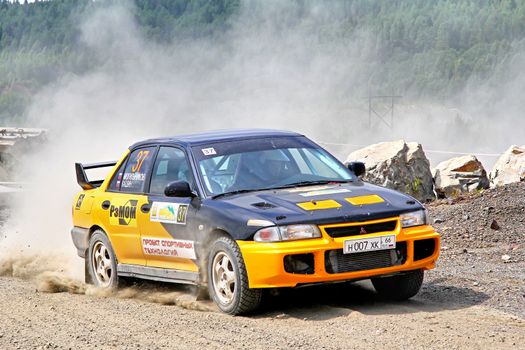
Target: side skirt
point(158, 274)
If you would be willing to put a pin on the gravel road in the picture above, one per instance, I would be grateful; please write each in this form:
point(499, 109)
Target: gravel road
point(474, 299)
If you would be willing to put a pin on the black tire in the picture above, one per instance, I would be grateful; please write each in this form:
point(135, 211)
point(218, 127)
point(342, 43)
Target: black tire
point(242, 299)
point(98, 240)
point(399, 287)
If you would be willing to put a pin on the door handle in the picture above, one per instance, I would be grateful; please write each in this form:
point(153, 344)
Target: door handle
point(105, 205)
point(145, 208)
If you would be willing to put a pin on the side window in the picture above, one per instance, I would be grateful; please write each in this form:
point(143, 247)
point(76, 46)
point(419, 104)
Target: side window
point(114, 185)
point(138, 165)
point(171, 165)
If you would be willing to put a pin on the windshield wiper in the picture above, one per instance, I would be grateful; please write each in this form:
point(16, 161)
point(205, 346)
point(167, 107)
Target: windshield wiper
point(236, 192)
point(309, 183)
point(295, 184)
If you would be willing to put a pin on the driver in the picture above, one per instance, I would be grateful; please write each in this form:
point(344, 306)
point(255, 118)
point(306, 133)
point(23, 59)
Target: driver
point(260, 169)
point(274, 165)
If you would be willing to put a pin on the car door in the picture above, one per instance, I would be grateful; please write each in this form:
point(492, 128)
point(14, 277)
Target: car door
point(167, 233)
point(121, 205)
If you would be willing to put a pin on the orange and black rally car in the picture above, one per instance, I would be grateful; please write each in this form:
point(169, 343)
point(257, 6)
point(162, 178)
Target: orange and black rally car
point(244, 210)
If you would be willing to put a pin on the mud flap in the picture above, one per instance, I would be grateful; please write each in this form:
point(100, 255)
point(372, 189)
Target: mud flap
point(87, 275)
point(201, 292)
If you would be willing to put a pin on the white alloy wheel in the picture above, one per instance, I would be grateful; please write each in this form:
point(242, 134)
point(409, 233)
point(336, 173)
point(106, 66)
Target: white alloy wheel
point(102, 264)
point(223, 278)
point(228, 284)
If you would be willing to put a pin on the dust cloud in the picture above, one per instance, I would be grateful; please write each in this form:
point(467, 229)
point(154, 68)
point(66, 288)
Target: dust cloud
point(51, 276)
point(275, 67)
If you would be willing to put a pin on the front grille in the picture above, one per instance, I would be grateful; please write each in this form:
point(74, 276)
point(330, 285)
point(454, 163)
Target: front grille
point(337, 262)
point(354, 230)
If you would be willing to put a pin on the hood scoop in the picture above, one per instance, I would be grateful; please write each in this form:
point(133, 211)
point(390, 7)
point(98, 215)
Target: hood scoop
point(264, 205)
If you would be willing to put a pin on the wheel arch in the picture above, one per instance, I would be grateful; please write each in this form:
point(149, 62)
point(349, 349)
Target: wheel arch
point(204, 249)
point(95, 228)
point(91, 231)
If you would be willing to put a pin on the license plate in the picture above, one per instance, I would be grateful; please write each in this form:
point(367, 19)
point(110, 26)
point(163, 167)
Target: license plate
point(369, 244)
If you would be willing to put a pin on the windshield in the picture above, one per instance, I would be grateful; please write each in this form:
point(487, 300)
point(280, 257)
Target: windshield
point(265, 164)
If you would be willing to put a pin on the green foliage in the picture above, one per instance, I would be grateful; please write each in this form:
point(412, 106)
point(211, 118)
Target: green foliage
point(40, 41)
point(421, 48)
point(414, 188)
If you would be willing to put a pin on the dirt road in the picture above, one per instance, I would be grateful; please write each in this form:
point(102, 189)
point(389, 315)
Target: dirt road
point(442, 316)
point(474, 299)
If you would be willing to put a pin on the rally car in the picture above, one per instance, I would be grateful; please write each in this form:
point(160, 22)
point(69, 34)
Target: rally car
point(244, 210)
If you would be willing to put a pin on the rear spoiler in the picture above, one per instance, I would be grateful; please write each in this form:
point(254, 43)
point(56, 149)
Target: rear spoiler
point(82, 177)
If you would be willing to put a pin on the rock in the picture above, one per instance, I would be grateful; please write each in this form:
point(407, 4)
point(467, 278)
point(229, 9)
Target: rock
point(509, 168)
point(460, 174)
point(438, 221)
point(466, 217)
point(398, 165)
point(506, 257)
point(494, 225)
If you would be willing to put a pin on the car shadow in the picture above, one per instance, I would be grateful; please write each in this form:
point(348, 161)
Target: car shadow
point(325, 302)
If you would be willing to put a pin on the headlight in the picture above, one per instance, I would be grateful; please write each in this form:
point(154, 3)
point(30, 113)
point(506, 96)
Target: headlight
point(415, 218)
point(286, 233)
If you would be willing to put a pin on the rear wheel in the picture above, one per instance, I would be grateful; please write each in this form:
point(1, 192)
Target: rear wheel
point(101, 261)
point(228, 279)
point(399, 287)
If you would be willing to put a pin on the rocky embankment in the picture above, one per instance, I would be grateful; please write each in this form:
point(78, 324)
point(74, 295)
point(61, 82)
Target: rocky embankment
point(403, 166)
point(491, 217)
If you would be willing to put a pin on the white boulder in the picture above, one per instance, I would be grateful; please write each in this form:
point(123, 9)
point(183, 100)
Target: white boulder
point(398, 165)
point(510, 167)
point(460, 174)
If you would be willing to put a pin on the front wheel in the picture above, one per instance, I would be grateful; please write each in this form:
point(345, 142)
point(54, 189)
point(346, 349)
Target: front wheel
point(228, 280)
point(399, 287)
point(101, 262)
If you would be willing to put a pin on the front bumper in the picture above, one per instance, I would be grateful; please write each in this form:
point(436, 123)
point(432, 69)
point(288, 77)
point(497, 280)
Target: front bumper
point(266, 268)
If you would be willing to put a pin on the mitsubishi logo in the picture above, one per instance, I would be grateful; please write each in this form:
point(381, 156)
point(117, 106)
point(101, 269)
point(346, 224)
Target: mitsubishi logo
point(363, 231)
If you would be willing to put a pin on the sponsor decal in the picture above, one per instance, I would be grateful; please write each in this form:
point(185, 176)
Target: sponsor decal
point(132, 179)
point(79, 201)
point(135, 178)
point(176, 248)
point(365, 200)
point(125, 215)
point(170, 213)
point(139, 160)
point(318, 205)
point(119, 180)
point(323, 192)
point(309, 188)
point(209, 151)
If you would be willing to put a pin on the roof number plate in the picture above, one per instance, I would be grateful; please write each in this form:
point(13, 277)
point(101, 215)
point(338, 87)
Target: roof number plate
point(352, 246)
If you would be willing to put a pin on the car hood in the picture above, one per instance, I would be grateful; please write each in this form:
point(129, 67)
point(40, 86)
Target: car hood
point(319, 204)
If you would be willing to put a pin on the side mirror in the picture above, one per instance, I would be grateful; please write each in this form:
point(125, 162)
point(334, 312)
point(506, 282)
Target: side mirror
point(358, 168)
point(178, 189)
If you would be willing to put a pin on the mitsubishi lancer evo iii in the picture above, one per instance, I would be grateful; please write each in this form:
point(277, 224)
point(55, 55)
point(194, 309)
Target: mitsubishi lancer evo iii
point(243, 210)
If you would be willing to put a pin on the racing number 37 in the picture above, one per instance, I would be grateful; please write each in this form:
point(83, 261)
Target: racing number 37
point(141, 157)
